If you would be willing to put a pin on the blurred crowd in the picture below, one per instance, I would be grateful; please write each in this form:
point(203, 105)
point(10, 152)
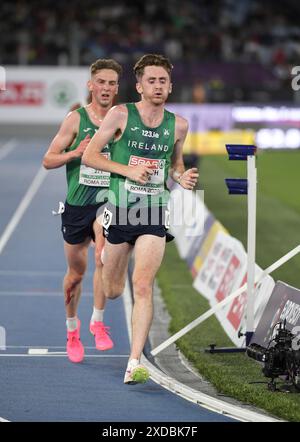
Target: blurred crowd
point(47, 32)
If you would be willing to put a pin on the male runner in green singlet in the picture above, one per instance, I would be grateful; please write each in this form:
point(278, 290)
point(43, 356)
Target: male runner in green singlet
point(87, 193)
point(148, 143)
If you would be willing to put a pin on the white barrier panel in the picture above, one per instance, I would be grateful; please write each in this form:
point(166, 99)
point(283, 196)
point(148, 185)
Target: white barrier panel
point(211, 229)
point(221, 267)
point(41, 95)
point(225, 270)
point(232, 316)
point(235, 315)
point(188, 216)
point(224, 266)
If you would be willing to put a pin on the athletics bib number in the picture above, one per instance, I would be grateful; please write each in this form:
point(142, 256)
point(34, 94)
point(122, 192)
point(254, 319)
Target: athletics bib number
point(107, 218)
point(93, 177)
point(155, 183)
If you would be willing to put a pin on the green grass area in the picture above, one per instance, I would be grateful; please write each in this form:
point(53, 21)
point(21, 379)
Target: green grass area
point(278, 222)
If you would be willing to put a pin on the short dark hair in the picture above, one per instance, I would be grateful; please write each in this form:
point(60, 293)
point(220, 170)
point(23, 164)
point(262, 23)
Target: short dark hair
point(152, 60)
point(106, 63)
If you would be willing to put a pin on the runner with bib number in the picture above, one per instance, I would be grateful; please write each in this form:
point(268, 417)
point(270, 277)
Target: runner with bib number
point(147, 147)
point(87, 194)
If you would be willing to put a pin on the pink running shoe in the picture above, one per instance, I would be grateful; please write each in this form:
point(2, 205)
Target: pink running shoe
point(101, 333)
point(75, 348)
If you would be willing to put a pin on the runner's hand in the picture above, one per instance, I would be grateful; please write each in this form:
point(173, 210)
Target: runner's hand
point(78, 152)
point(140, 174)
point(189, 178)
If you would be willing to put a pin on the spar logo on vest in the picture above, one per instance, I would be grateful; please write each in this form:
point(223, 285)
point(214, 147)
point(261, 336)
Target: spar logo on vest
point(155, 182)
point(155, 164)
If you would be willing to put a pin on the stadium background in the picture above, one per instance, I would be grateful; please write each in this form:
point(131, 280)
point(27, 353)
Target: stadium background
point(232, 79)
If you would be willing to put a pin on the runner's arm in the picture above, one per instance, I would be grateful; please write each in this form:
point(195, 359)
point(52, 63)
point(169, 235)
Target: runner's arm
point(186, 178)
point(114, 122)
point(55, 155)
point(177, 165)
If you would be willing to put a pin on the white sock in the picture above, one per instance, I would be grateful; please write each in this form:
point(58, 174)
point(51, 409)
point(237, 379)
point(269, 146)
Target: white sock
point(71, 323)
point(97, 315)
point(133, 362)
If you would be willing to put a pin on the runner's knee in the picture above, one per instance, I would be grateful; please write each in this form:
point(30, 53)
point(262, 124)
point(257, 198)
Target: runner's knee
point(73, 279)
point(113, 290)
point(141, 288)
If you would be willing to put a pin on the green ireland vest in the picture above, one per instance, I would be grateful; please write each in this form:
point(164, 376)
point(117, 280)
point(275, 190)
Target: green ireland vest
point(85, 184)
point(140, 144)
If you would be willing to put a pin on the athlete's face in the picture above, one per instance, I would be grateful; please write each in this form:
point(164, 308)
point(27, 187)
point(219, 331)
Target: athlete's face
point(154, 85)
point(104, 86)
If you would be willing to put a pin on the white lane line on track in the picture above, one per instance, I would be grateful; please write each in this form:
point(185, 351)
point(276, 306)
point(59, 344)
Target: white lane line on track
point(40, 351)
point(30, 273)
point(48, 346)
point(55, 355)
point(22, 273)
point(33, 188)
point(39, 294)
point(7, 148)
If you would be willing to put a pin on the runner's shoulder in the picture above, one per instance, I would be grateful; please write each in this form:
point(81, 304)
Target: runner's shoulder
point(118, 115)
point(72, 120)
point(73, 115)
point(119, 110)
point(181, 123)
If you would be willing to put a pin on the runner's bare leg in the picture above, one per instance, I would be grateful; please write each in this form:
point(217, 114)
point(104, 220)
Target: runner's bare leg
point(76, 255)
point(116, 257)
point(149, 252)
point(99, 297)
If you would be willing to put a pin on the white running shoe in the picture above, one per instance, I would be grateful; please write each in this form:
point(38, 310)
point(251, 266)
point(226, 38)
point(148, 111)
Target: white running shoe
point(135, 373)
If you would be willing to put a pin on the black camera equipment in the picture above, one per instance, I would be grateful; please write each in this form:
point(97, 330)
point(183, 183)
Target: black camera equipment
point(280, 358)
